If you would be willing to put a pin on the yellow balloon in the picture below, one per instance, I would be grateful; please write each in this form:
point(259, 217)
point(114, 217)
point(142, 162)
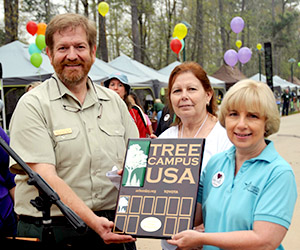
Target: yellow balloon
point(180, 31)
point(103, 8)
point(238, 43)
point(258, 46)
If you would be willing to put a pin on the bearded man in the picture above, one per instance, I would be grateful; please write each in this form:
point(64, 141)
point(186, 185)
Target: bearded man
point(71, 132)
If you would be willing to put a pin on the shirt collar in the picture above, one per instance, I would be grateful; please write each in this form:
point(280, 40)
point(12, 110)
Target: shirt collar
point(266, 155)
point(60, 89)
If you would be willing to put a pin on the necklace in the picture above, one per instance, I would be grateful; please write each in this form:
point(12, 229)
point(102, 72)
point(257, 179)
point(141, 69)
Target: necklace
point(198, 129)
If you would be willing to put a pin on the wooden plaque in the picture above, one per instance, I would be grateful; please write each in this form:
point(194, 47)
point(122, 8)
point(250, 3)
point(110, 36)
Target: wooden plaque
point(159, 186)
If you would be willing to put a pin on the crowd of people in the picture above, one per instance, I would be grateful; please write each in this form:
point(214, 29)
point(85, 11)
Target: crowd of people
point(72, 132)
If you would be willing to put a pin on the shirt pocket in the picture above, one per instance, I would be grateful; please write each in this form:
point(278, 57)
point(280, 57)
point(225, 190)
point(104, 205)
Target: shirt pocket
point(112, 129)
point(114, 141)
point(68, 147)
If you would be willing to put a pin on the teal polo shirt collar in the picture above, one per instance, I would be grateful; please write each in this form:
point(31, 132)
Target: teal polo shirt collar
point(265, 155)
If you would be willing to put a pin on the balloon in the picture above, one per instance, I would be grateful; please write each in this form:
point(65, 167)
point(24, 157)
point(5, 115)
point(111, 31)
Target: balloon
point(31, 27)
point(244, 55)
point(103, 8)
point(33, 49)
point(231, 57)
point(298, 64)
point(36, 59)
point(258, 46)
point(41, 28)
point(180, 31)
point(238, 43)
point(183, 43)
point(237, 24)
point(176, 45)
point(40, 42)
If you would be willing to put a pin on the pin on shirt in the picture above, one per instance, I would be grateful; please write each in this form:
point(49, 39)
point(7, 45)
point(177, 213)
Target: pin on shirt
point(218, 179)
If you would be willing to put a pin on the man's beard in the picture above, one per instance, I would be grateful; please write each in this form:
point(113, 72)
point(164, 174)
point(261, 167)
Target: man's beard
point(72, 77)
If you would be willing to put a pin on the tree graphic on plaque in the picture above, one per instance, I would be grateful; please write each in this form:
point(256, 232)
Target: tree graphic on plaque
point(136, 163)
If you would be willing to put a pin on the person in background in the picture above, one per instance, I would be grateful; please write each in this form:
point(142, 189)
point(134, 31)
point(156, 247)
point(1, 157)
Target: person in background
point(165, 121)
point(157, 110)
point(71, 132)
point(135, 102)
point(32, 85)
point(247, 193)
point(286, 97)
point(192, 99)
point(118, 82)
point(8, 220)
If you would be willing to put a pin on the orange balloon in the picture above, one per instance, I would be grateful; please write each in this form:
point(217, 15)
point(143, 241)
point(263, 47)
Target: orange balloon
point(41, 28)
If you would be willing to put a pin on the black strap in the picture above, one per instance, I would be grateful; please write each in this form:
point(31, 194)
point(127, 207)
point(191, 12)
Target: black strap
point(141, 115)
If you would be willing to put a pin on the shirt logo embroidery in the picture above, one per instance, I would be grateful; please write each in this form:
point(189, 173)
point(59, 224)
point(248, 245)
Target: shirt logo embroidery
point(251, 188)
point(218, 179)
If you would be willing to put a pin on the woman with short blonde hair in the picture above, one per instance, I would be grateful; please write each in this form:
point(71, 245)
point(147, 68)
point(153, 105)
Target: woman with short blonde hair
point(256, 97)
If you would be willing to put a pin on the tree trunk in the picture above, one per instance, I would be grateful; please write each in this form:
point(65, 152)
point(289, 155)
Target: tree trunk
point(137, 55)
point(77, 6)
point(102, 43)
point(86, 7)
point(222, 28)
point(11, 8)
point(47, 11)
point(199, 33)
point(170, 10)
point(94, 10)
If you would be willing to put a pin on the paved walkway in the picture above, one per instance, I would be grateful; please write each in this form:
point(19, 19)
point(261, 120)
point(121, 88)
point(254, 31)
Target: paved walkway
point(287, 143)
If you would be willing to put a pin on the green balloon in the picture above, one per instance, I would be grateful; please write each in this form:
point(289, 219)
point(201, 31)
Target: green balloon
point(36, 59)
point(40, 42)
point(298, 64)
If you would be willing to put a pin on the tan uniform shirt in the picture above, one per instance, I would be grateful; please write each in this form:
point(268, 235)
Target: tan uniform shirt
point(49, 125)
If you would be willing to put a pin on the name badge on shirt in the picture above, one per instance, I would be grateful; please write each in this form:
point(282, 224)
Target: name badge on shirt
point(218, 179)
point(64, 131)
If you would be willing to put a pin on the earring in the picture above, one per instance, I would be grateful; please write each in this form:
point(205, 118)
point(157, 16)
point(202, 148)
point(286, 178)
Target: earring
point(207, 104)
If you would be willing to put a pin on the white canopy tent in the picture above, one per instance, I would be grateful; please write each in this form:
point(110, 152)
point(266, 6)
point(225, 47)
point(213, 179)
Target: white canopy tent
point(101, 70)
point(216, 83)
point(132, 66)
point(285, 84)
point(278, 82)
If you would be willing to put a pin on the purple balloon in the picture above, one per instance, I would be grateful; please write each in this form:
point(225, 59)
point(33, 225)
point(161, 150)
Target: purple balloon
point(244, 54)
point(237, 24)
point(231, 57)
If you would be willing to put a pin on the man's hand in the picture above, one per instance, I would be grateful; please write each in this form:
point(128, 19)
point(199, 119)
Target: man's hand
point(104, 230)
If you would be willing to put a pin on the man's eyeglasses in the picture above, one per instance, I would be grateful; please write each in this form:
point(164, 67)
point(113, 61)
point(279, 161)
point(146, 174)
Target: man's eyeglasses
point(75, 109)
